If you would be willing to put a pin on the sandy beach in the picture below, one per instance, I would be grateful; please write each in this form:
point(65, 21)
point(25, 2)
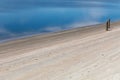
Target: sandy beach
point(87, 53)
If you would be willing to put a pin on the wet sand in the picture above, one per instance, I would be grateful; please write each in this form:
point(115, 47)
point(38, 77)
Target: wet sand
point(88, 53)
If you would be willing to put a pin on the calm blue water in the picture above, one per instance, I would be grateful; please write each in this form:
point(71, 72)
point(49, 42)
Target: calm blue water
point(24, 17)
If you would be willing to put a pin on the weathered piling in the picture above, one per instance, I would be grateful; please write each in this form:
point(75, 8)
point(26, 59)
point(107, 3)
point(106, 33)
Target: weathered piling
point(108, 25)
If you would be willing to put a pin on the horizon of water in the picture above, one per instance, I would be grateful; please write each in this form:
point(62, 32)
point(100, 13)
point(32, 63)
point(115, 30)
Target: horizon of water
point(30, 19)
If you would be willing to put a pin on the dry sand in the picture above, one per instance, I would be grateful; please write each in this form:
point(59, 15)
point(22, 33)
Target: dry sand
point(88, 53)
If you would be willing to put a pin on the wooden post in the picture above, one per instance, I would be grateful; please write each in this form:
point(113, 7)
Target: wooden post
point(108, 25)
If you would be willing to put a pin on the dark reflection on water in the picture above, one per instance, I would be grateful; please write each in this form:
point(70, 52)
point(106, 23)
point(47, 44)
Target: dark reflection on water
point(51, 16)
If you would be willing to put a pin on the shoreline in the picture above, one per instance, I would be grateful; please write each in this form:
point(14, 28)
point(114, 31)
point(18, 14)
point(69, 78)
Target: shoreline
point(51, 33)
point(43, 34)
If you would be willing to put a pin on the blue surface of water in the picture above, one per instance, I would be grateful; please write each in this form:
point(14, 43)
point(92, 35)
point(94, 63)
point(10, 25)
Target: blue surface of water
point(22, 18)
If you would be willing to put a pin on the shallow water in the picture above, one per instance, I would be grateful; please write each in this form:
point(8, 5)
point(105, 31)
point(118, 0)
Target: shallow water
point(22, 18)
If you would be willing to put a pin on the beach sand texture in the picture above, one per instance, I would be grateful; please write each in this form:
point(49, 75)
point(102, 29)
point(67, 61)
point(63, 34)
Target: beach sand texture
point(88, 53)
